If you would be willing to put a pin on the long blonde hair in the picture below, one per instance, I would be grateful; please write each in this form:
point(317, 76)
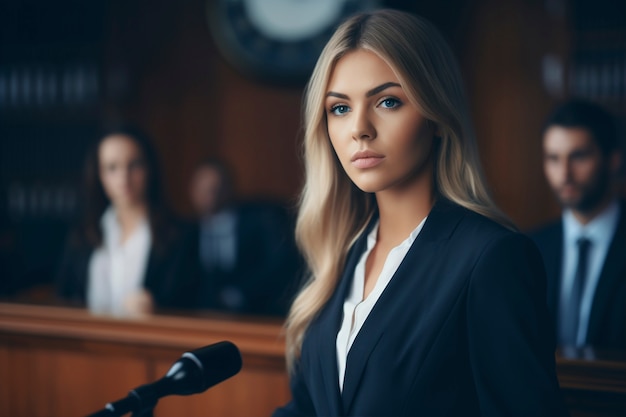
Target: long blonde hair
point(333, 211)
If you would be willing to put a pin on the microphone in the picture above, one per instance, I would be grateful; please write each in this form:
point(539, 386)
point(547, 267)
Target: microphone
point(194, 372)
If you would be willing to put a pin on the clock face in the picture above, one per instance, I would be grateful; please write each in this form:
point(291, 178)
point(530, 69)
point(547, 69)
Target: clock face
point(277, 41)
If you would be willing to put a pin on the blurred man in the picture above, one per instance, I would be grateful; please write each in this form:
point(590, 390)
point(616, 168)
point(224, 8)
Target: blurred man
point(246, 253)
point(585, 250)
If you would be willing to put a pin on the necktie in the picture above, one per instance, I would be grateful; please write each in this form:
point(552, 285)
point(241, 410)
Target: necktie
point(571, 313)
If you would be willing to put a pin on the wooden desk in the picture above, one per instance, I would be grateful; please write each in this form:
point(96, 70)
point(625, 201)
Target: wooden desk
point(593, 382)
point(63, 362)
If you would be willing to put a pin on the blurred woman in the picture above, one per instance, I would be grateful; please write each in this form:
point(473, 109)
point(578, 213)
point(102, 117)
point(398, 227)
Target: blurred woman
point(124, 258)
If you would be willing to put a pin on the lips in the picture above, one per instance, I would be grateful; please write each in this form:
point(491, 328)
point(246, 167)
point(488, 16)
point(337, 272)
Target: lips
point(366, 159)
point(569, 189)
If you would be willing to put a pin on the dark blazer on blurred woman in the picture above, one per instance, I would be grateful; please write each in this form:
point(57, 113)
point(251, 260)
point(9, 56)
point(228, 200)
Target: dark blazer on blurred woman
point(168, 276)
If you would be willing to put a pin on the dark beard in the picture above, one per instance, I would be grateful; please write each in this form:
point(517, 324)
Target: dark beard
point(595, 194)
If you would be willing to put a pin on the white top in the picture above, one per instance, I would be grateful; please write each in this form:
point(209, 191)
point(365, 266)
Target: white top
point(600, 232)
point(117, 270)
point(355, 308)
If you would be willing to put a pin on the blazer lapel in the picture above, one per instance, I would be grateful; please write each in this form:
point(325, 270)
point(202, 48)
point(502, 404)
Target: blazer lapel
point(152, 273)
point(553, 269)
point(329, 323)
point(610, 278)
point(441, 222)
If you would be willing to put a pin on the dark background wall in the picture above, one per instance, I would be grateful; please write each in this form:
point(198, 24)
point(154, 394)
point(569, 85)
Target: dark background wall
point(68, 66)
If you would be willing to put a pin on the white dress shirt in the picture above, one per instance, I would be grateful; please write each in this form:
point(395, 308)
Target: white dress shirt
point(355, 308)
point(116, 269)
point(600, 233)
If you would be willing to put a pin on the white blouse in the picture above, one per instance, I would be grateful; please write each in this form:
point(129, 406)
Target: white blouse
point(355, 308)
point(117, 270)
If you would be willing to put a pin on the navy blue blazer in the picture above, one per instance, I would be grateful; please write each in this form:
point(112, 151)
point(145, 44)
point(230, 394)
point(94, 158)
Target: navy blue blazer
point(460, 330)
point(607, 320)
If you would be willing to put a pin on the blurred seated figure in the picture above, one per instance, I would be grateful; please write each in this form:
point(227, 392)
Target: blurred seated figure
point(247, 257)
point(125, 258)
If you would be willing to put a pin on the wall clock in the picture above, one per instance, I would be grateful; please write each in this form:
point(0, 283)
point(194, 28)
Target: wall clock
point(277, 41)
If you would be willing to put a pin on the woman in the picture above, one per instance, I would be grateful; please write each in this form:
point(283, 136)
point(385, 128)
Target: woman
point(422, 297)
point(124, 259)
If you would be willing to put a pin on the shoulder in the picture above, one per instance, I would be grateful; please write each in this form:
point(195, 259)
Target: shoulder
point(475, 238)
point(548, 237)
point(456, 223)
point(621, 223)
point(498, 244)
point(546, 230)
point(77, 242)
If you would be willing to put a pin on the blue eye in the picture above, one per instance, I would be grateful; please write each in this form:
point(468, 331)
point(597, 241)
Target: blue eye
point(390, 103)
point(339, 109)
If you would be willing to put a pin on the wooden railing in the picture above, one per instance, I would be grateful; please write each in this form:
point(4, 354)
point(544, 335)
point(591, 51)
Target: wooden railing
point(64, 362)
point(593, 382)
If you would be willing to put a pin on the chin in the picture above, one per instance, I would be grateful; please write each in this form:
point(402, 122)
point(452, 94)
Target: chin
point(368, 183)
point(367, 188)
point(570, 203)
point(127, 202)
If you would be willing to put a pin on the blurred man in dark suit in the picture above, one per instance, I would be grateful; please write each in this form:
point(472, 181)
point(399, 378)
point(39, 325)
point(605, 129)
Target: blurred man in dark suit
point(246, 253)
point(585, 250)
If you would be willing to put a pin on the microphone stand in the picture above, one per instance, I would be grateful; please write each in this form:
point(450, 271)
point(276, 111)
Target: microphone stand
point(140, 401)
point(187, 376)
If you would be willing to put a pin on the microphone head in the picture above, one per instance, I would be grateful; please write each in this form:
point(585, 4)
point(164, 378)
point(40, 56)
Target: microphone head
point(218, 362)
point(200, 369)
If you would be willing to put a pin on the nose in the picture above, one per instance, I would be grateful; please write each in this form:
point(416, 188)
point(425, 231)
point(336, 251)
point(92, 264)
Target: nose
point(362, 129)
point(562, 172)
point(125, 176)
point(567, 171)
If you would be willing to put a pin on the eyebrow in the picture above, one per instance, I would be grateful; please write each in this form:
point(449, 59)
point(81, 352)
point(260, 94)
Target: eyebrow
point(369, 93)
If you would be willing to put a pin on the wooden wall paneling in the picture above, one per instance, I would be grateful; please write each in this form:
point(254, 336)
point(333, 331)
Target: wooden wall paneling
point(83, 380)
point(502, 63)
point(196, 105)
point(7, 405)
point(258, 132)
point(32, 371)
point(5, 375)
point(164, 55)
point(61, 380)
point(23, 369)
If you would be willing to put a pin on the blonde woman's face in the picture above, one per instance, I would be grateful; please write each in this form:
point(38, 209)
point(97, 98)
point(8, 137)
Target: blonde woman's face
point(123, 171)
point(382, 140)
